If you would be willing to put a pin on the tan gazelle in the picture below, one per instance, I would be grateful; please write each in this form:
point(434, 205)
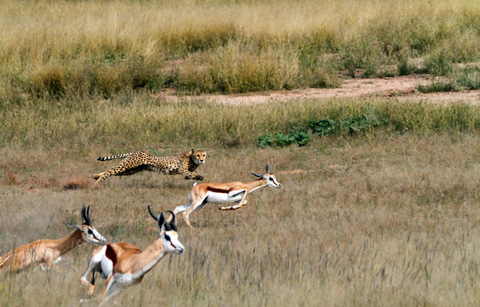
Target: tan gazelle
point(223, 193)
point(124, 264)
point(47, 252)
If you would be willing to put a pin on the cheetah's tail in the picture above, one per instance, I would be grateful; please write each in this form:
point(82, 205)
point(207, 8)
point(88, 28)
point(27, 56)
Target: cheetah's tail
point(107, 158)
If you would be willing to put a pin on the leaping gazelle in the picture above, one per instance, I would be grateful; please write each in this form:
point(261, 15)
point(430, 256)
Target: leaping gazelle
point(222, 193)
point(48, 252)
point(124, 264)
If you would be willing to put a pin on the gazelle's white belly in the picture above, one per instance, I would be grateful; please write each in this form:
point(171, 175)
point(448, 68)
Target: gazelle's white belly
point(222, 198)
point(126, 279)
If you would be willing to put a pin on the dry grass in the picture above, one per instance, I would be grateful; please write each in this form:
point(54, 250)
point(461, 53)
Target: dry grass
point(91, 128)
point(384, 220)
point(101, 48)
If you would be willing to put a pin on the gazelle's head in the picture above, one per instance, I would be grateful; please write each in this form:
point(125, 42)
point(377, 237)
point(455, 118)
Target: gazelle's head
point(271, 180)
point(168, 233)
point(89, 233)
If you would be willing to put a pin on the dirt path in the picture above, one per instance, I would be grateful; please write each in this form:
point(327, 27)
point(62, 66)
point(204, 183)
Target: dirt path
point(400, 88)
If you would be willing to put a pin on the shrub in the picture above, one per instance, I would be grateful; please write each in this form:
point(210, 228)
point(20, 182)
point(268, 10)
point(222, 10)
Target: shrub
point(439, 63)
point(466, 78)
point(362, 53)
point(350, 125)
point(283, 139)
point(437, 86)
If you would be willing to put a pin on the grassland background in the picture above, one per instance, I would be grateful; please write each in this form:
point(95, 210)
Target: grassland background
point(388, 216)
point(390, 220)
point(89, 48)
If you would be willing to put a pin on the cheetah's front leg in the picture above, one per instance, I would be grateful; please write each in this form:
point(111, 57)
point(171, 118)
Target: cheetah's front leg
point(194, 176)
point(190, 175)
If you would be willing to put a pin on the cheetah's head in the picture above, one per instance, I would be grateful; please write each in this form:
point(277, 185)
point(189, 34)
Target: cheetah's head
point(199, 156)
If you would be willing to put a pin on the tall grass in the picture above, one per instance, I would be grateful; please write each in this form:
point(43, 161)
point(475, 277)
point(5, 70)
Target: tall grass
point(92, 48)
point(137, 122)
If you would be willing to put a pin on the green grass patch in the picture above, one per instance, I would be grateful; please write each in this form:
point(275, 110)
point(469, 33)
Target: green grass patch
point(465, 78)
point(143, 122)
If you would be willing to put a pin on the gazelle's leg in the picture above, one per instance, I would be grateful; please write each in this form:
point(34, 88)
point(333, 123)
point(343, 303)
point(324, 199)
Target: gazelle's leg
point(193, 207)
point(5, 259)
point(47, 264)
point(111, 288)
point(108, 284)
point(86, 283)
point(92, 265)
point(186, 213)
point(234, 207)
point(179, 209)
point(242, 203)
point(185, 217)
point(57, 261)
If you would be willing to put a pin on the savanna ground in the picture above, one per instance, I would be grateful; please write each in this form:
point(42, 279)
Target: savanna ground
point(379, 206)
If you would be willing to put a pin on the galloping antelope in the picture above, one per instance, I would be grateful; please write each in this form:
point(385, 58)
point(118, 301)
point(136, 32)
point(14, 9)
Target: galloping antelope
point(222, 193)
point(124, 264)
point(48, 252)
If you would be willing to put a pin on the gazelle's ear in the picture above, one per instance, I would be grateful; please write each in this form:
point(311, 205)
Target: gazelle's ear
point(78, 227)
point(267, 167)
point(258, 175)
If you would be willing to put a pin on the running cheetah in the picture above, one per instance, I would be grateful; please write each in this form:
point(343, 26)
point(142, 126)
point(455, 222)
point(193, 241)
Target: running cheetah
point(137, 161)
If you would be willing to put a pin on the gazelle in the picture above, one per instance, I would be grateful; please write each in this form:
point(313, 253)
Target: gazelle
point(48, 252)
point(222, 193)
point(124, 264)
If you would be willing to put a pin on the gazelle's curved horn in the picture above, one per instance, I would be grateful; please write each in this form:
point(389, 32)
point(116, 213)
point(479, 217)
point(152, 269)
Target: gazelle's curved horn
point(173, 217)
point(267, 167)
point(151, 213)
point(258, 175)
point(172, 222)
point(86, 215)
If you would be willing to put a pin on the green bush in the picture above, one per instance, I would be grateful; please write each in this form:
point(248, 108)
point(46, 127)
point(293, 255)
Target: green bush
point(466, 78)
point(283, 139)
point(322, 127)
point(365, 53)
point(439, 63)
point(437, 86)
point(347, 126)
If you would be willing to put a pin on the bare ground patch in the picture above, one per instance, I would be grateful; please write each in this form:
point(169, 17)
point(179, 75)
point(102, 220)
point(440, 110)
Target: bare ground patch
point(400, 88)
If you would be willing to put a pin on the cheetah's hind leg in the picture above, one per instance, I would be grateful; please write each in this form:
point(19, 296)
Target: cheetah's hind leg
point(96, 176)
